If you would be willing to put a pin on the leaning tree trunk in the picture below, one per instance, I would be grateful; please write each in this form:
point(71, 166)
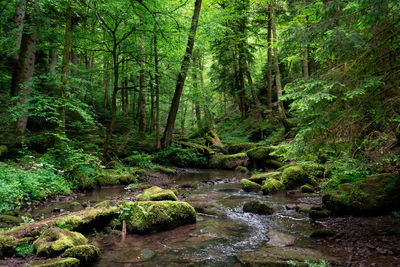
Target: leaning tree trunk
point(281, 108)
point(26, 66)
point(167, 138)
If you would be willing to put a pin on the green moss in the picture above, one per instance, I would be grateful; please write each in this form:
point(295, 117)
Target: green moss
point(241, 169)
point(199, 148)
point(156, 193)
point(250, 186)
point(228, 161)
point(260, 178)
point(55, 241)
point(58, 262)
point(293, 177)
point(7, 244)
point(273, 164)
point(307, 188)
point(322, 233)
point(317, 213)
point(175, 190)
point(111, 177)
point(3, 150)
point(259, 153)
point(153, 216)
point(238, 148)
point(89, 218)
point(10, 220)
point(164, 170)
point(258, 207)
point(84, 253)
point(137, 186)
point(272, 186)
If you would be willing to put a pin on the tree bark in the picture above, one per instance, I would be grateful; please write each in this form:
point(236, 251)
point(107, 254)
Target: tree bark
point(65, 63)
point(183, 115)
point(167, 137)
point(18, 25)
point(52, 61)
point(304, 60)
point(26, 66)
point(281, 108)
point(142, 92)
point(157, 80)
point(269, 74)
point(106, 77)
point(196, 89)
point(152, 119)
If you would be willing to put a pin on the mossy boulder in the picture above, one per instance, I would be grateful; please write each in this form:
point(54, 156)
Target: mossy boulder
point(317, 213)
point(3, 150)
point(164, 170)
point(259, 156)
point(239, 148)
point(7, 242)
point(376, 194)
point(156, 193)
point(9, 221)
point(293, 177)
point(84, 253)
point(154, 216)
point(202, 149)
point(55, 241)
point(260, 178)
point(250, 186)
point(111, 177)
point(307, 188)
point(271, 186)
point(57, 262)
point(258, 207)
point(272, 164)
point(228, 161)
point(90, 218)
point(241, 169)
point(323, 233)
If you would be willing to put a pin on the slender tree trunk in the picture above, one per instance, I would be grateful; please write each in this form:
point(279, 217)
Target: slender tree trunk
point(183, 115)
point(157, 80)
point(26, 65)
point(52, 61)
point(281, 108)
point(242, 69)
point(65, 63)
point(196, 89)
point(18, 26)
point(167, 138)
point(106, 77)
point(152, 119)
point(142, 92)
point(269, 74)
point(304, 60)
point(123, 89)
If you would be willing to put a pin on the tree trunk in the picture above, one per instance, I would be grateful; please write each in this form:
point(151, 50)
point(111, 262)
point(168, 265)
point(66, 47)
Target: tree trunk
point(281, 108)
point(52, 61)
point(157, 80)
point(254, 94)
point(183, 115)
point(142, 92)
point(241, 85)
point(26, 66)
point(167, 138)
point(152, 119)
point(106, 85)
point(65, 63)
point(18, 26)
point(269, 74)
point(196, 89)
point(304, 61)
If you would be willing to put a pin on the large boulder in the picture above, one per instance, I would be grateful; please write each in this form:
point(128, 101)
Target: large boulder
point(261, 157)
point(85, 253)
point(258, 207)
point(271, 186)
point(250, 186)
point(154, 216)
point(260, 178)
point(228, 161)
point(55, 241)
point(156, 193)
point(293, 177)
point(239, 148)
point(376, 194)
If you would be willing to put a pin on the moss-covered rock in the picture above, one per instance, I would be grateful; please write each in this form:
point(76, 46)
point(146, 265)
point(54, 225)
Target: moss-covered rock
point(323, 233)
point(153, 216)
point(293, 177)
point(307, 188)
point(9, 221)
point(57, 262)
point(260, 157)
point(7, 242)
point(250, 186)
point(202, 149)
point(111, 177)
point(260, 178)
point(239, 148)
point(317, 213)
point(156, 193)
point(228, 161)
point(164, 170)
point(90, 218)
point(273, 164)
point(3, 150)
point(55, 241)
point(258, 207)
point(376, 194)
point(241, 169)
point(271, 186)
point(84, 253)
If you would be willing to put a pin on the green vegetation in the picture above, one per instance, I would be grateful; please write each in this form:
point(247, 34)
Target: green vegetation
point(250, 186)
point(156, 193)
point(84, 253)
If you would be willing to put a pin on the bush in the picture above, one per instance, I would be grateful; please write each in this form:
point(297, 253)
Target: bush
point(181, 157)
point(139, 159)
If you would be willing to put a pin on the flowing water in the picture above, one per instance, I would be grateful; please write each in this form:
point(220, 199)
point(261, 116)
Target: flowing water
point(222, 231)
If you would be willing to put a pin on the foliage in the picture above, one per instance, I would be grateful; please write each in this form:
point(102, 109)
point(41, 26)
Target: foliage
point(181, 157)
point(24, 250)
point(139, 159)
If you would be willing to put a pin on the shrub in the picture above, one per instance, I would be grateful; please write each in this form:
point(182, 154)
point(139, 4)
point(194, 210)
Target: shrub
point(182, 157)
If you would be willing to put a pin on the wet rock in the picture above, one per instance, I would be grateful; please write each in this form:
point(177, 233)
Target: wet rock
point(307, 188)
point(57, 262)
point(241, 169)
point(279, 239)
point(323, 233)
point(156, 193)
point(272, 186)
point(293, 177)
point(260, 178)
point(228, 161)
point(136, 255)
point(153, 216)
point(317, 213)
point(85, 253)
point(55, 241)
point(250, 186)
point(375, 195)
point(258, 207)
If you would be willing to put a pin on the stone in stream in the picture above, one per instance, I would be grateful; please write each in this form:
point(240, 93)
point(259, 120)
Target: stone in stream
point(279, 239)
point(154, 216)
point(156, 193)
point(55, 241)
point(317, 213)
point(258, 207)
point(271, 186)
point(250, 186)
point(85, 253)
point(57, 262)
point(294, 176)
point(229, 162)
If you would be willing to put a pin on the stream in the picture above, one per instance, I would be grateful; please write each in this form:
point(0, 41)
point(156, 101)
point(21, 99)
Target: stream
point(222, 231)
